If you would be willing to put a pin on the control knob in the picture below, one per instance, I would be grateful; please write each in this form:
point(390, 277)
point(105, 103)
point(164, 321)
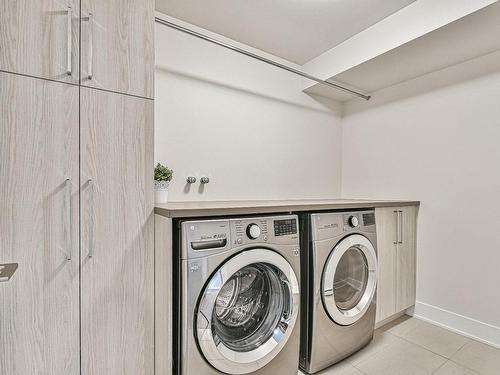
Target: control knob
point(353, 221)
point(253, 231)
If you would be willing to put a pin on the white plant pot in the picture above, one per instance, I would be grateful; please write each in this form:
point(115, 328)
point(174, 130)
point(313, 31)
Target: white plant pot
point(161, 192)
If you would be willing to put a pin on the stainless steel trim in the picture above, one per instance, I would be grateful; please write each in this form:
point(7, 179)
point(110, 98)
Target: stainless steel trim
point(220, 356)
point(400, 220)
point(257, 57)
point(69, 52)
point(69, 210)
point(91, 217)
point(7, 271)
point(348, 317)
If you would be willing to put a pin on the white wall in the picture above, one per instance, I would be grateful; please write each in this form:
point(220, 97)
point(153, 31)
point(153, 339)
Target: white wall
point(441, 147)
point(243, 123)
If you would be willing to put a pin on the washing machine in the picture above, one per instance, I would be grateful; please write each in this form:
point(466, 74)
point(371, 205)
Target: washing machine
point(239, 296)
point(338, 286)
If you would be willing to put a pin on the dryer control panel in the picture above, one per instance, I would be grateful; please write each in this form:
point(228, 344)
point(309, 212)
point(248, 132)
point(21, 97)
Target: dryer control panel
point(335, 224)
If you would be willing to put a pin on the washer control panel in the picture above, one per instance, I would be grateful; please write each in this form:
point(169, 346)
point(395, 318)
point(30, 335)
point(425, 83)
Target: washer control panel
point(272, 230)
point(204, 237)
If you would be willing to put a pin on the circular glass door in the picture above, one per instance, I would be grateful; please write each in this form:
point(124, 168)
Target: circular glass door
point(349, 279)
point(247, 311)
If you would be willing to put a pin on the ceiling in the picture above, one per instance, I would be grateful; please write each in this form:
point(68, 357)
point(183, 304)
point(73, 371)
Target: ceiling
point(465, 39)
point(295, 30)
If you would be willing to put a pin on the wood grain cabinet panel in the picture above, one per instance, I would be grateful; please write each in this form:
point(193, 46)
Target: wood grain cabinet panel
point(406, 259)
point(118, 46)
point(39, 306)
point(117, 248)
point(34, 38)
point(385, 219)
point(163, 295)
point(396, 245)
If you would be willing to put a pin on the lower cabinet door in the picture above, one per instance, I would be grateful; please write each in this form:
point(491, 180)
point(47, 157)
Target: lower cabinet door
point(386, 221)
point(117, 238)
point(39, 305)
point(406, 259)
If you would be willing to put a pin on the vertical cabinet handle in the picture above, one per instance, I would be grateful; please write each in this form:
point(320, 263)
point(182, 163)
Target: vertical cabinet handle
point(69, 212)
point(400, 219)
point(69, 51)
point(396, 217)
point(91, 47)
point(91, 217)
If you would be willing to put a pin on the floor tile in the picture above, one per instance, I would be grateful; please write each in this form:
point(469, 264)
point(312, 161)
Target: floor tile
point(479, 357)
point(436, 339)
point(380, 340)
point(401, 326)
point(400, 358)
point(451, 368)
point(342, 368)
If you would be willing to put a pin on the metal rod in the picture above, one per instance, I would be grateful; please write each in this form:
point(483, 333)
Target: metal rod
point(257, 57)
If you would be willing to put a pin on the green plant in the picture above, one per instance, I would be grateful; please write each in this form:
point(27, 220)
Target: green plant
point(163, 173)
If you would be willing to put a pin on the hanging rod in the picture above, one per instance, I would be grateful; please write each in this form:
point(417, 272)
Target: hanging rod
point(257, 57)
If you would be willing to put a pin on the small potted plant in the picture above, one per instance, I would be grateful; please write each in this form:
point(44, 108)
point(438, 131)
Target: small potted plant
point(163, 176)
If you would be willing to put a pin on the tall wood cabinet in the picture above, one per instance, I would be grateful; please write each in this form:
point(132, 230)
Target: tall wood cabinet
point(76, 187)
point(117, 268)
point(39, 306)
point(396, 245)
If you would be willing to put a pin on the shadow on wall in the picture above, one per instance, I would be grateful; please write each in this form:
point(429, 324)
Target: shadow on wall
point(329, 106)
point(469, 70)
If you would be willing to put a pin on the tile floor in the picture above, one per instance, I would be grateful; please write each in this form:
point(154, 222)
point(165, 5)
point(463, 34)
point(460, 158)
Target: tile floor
point(409, 346)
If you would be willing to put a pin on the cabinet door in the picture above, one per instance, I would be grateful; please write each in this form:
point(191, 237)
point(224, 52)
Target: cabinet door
point(406, 259)
point(40, 38)
point(118, 46)
point(117, 269)
point(39, 306)
point(386, 221)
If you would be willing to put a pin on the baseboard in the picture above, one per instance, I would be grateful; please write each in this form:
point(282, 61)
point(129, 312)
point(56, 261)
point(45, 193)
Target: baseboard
point(463, 325)
point(390, 319)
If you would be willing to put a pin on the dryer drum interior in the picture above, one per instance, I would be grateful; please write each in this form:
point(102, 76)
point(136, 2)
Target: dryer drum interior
point(349, 279)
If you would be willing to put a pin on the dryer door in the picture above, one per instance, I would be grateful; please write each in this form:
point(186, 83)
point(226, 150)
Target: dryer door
point(349, 279)
point(247, 311)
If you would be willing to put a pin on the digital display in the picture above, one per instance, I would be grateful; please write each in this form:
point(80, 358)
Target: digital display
point(285, 227)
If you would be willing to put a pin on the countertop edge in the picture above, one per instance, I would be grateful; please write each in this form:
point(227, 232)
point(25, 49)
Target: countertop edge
point(187, 212)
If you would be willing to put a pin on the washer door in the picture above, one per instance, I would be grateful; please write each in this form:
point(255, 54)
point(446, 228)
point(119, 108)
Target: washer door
point(349, 279)
point(247, 311)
